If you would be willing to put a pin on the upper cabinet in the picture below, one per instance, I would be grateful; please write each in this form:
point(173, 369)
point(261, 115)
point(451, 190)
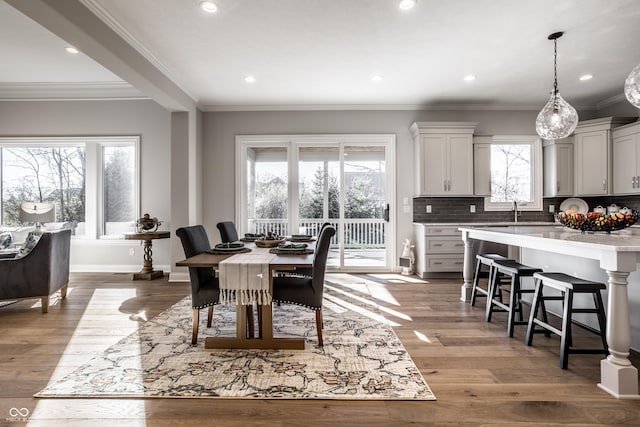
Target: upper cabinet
point(443, 158)
point(592, 150)
point(557, 163)
point(626, 159)
point(482, 166)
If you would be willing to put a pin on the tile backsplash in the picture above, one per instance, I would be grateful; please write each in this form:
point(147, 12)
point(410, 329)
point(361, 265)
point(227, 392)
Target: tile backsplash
point(457, 209)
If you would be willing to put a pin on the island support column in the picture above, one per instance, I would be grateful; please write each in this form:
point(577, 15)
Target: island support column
point(617, 375)
point(468, 270)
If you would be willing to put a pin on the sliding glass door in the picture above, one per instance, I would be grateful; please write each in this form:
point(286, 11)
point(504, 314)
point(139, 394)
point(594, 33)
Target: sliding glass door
point(293, 185)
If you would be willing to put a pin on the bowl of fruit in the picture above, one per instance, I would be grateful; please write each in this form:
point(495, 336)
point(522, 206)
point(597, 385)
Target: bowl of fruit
point(597, 221)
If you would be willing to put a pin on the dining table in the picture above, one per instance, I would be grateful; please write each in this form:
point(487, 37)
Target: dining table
point(279, 262)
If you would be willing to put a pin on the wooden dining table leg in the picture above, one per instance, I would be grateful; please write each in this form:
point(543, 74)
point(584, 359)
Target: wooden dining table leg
point(241, 321)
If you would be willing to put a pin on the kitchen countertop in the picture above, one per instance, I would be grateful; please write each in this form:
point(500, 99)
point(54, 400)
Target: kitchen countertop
point(486, 223)
point(626, 240)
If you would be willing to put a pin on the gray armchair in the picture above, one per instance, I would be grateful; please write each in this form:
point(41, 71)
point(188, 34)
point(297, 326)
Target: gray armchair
point(41, 272)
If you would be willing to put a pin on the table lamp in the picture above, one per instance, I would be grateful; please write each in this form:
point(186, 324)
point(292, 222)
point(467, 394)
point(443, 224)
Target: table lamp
point(37, 213)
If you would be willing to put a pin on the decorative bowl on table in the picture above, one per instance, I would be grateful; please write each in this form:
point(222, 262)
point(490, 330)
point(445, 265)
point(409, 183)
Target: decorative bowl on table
point(270, 240)
point(268, 243)
point(597, 221)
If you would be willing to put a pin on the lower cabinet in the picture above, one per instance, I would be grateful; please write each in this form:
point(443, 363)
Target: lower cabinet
point(439, 249)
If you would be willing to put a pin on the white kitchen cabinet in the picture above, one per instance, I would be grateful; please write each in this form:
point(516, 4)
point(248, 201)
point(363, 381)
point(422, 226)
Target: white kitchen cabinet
point(482, 166)
point(558, 167)
point(626, 159)
point(439, 249)
point(443, 158)
point(592, 150)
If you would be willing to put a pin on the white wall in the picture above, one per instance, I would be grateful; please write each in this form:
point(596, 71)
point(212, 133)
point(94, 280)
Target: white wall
point(94, 118)
point(220, 129)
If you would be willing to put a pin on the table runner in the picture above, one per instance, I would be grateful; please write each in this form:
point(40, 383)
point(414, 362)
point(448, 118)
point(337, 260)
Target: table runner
point(244, 279)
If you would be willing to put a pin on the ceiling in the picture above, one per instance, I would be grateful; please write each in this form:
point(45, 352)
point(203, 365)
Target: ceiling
point(322, 54)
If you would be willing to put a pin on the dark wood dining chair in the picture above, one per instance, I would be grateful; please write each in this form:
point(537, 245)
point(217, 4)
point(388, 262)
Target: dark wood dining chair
point(307, 291)
point(205, 288)
point(228, 232)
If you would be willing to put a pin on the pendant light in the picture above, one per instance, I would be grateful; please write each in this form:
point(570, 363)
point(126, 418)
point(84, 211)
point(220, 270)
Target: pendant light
point(558, 119)
point(632, 87)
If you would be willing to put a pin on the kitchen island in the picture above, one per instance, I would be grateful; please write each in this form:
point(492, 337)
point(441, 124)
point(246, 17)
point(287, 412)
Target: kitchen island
point(618, 254)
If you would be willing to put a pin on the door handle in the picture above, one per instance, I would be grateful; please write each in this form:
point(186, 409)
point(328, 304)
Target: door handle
point(633, 182)
point(386, 213)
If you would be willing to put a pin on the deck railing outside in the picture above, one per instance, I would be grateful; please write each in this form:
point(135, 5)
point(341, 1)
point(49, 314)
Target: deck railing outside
point(359, 233)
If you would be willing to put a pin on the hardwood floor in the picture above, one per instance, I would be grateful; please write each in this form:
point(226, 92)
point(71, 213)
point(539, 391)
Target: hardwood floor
point(479, 376)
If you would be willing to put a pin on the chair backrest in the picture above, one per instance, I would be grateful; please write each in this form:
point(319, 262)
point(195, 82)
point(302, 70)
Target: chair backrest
point(324, 225)
point(195, 241)
point(320, 259)
point(228, 232)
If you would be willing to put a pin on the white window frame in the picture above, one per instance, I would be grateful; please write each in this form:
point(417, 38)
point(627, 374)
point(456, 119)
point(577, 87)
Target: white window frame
point(536, 157)
point(94, 207)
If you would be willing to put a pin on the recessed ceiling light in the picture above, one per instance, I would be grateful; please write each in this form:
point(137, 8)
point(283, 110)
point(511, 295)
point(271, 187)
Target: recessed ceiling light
point(407, 4)
point(209, 6)
point(250, 79)
point(469, 78)
point(586, 77)
point(376, 78)
point(72, 49)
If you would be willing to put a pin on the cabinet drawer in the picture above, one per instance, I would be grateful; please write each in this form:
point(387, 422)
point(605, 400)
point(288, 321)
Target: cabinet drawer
point(442, 231)
point(438, 263)
point(444, 245)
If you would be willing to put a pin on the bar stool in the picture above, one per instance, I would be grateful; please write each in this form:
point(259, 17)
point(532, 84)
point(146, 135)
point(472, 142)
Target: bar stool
point(516, 271)
point(568, 286)
point(483, 259)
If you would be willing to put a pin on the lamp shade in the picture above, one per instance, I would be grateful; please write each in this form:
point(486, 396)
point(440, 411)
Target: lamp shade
point(558, 119)
point(632, 87)
point(37, 212)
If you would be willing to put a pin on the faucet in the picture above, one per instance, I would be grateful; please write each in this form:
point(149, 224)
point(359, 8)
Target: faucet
point(515, 211)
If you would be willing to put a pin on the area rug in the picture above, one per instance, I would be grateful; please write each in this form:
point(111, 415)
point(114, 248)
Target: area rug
point(362, 358)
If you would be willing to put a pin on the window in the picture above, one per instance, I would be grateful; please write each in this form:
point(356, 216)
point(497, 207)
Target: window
point(92, 181)
point(515, 173)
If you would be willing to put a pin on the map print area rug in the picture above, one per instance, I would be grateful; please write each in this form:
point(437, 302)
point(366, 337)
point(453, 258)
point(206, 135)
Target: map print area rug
point(362, 358)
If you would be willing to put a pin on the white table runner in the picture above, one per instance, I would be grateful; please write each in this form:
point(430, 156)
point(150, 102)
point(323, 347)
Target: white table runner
point(244, 279)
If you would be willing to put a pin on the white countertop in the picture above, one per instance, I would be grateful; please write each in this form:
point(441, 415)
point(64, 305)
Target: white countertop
point(484, 224)
point(550, 237)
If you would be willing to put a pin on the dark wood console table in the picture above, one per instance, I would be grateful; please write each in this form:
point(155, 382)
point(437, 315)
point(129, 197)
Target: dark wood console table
point(147, 272)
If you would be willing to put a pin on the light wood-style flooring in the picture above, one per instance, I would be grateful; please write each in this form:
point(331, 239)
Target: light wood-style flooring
point(479, 376)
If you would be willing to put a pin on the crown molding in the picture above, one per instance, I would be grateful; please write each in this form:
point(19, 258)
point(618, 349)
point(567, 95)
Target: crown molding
point(69, 91)
point(112, 23)
point(372, 107)
point(611, 100)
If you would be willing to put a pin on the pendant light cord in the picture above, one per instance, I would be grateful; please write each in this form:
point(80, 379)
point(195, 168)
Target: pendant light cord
point(555, 68)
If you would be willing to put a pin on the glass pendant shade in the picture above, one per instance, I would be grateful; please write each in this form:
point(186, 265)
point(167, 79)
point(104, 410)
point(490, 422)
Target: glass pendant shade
point(632, 87)
point(558, 119)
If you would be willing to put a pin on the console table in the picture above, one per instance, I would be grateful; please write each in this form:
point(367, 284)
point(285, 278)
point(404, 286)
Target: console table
point(147, 272)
